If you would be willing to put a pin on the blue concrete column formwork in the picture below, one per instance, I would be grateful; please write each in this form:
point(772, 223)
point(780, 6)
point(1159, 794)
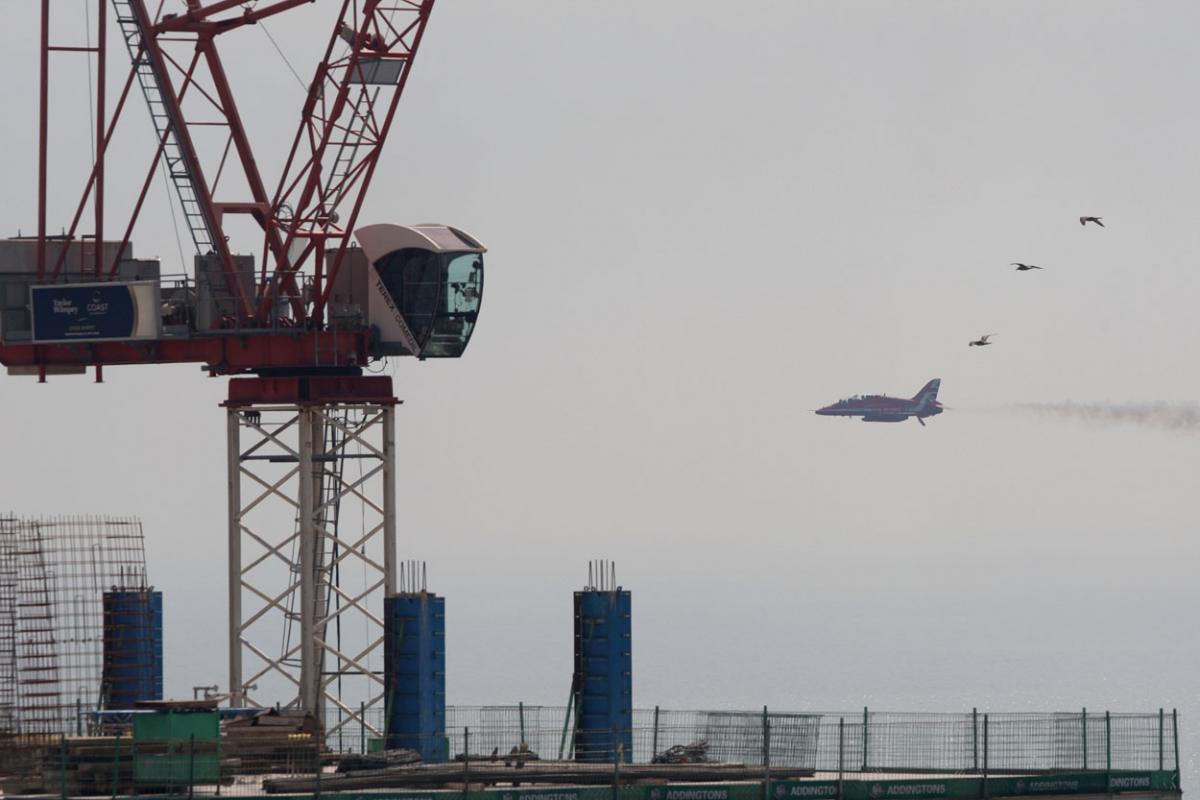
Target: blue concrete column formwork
point(603, 678)
point(133, 654)
point(414, 667)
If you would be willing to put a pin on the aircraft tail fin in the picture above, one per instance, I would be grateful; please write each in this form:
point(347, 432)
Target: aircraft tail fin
point(928, 394)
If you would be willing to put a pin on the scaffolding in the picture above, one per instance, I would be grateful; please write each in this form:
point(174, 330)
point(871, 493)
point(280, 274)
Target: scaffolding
point(53, 575)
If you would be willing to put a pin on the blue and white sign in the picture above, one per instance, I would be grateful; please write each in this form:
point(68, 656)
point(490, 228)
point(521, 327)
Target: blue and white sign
point(95, 312)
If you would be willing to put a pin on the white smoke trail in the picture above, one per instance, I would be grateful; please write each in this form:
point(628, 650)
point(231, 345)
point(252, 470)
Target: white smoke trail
point(1163, 416)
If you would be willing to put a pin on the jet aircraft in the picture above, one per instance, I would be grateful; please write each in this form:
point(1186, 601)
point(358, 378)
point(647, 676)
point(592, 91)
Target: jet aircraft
point(881, 408)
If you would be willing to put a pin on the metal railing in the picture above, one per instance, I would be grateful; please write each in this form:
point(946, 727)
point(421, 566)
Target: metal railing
point(970, 742)
point(862, 741)
point(489, 745)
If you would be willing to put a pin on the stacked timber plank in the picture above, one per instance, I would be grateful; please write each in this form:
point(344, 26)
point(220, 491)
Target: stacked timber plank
point(89, 765)
point(21, 764)
point(75, 765)
point(273, 741)
point(428, 776)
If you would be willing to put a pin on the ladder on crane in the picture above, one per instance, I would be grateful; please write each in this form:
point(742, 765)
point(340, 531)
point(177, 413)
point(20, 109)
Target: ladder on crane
point(330, 488)
point(131, 19)
point(361, 110)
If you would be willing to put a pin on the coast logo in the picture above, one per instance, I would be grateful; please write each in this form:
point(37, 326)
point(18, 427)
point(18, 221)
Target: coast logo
point(780, 791)
point(876, 790)
point(1020, 787)
point(656, 794)
point(98, 305)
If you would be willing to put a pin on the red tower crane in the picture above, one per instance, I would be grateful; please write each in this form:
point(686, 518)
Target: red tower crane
point(321, 300)
point(312, 303)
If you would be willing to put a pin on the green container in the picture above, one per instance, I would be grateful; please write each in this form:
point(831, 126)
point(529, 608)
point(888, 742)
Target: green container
point(176, 749)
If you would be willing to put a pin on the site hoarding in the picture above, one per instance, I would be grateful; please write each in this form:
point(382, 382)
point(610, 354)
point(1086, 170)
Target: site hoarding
point(96, 312)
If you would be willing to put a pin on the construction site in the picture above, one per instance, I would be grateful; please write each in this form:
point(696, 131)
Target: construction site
point(336, 659)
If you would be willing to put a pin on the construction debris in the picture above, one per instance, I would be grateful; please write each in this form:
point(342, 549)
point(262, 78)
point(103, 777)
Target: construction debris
point(518, 755)
point(274, 740)
point(358, 762)
point(694, 753)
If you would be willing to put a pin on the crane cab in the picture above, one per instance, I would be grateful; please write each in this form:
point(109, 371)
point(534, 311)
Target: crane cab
point(418, 288)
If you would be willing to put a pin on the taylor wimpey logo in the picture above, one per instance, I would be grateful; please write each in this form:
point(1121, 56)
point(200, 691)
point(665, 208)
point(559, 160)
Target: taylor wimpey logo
point(64, 306)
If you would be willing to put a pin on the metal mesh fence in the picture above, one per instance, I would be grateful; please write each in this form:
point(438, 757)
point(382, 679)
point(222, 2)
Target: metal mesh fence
point(483, 744)
point(864, 741)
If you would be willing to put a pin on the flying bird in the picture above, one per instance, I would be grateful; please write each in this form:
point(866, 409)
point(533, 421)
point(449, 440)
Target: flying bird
point(982, 341)
point(1023, 267)
point(1085, 220)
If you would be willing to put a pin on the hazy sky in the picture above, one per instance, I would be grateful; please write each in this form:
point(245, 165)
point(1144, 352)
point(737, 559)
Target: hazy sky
point(705, 220)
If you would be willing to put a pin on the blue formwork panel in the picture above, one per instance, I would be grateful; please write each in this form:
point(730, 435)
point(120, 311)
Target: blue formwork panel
point(133, 662)
point(603, 678)
point(414, 667)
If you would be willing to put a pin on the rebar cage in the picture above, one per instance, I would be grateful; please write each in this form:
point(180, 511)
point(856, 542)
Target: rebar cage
point(53, 575)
